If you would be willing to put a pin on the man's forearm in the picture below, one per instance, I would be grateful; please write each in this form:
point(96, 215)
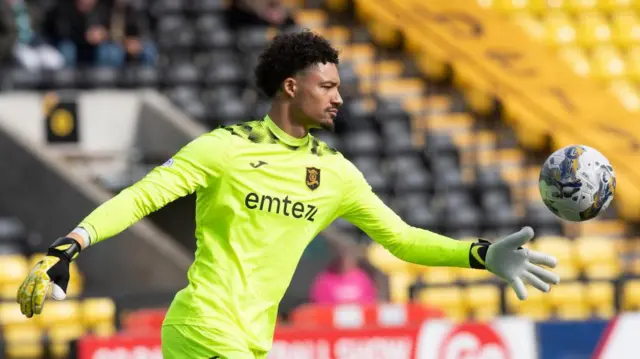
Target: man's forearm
point(420, 246)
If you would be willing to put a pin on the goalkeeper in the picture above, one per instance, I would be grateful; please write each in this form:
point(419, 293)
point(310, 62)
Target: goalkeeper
point(264, 190)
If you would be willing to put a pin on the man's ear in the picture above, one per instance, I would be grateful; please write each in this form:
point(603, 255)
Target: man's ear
point(290, 87)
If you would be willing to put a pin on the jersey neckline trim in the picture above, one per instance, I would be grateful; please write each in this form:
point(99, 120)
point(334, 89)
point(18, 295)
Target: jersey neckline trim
point(283, 136)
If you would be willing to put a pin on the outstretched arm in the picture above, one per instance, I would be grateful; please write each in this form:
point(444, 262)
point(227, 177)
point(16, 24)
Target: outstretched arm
point(506, 258)
point(195, 166)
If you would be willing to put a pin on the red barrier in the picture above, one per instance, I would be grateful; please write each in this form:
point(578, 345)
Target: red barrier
point(507, 338)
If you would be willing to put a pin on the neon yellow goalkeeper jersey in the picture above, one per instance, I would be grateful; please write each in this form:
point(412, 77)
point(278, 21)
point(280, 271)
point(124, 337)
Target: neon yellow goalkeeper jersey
point(262, 196)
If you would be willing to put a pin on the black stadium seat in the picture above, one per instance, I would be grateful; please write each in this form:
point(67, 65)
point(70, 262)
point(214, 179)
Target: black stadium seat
point(23, 79)
point(165, 7)
point(182, 74)
point(225, 73)
point(100, 77)
point(140, 76)
point(215, 39)
point(362, 143)
point(65, 78)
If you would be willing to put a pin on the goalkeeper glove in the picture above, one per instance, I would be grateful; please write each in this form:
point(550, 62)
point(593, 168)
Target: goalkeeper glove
point(52, 269)
point(516, 265)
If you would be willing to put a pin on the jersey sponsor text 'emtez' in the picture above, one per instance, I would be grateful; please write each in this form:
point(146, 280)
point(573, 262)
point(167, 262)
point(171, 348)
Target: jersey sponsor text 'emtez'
point(283, 206)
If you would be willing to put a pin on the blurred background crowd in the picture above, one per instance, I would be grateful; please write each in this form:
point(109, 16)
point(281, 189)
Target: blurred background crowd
point(440, 147)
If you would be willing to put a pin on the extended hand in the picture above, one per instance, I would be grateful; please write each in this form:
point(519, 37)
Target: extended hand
point(516, 265)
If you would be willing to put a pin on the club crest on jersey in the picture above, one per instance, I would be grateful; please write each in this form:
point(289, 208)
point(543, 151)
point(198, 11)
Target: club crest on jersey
point(313, 178)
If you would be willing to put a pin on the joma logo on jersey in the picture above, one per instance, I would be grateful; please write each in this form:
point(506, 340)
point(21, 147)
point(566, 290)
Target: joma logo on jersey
point(282, 206)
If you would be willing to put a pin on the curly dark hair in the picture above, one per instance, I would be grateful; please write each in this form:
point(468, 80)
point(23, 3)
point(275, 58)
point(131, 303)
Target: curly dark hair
point(287, 55)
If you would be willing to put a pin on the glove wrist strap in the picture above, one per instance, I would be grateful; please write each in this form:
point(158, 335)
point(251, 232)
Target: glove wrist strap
point(478, 254)
point(65, 248)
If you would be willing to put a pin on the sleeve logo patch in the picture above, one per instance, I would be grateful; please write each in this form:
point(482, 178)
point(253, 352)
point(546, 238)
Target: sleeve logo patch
point(169, 163)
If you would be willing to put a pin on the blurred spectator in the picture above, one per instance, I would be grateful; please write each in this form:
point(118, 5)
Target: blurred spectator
point(102, 33)
point(244, 13)
point(344, 281)
point(8, 32)
point(128, 30)
point(79, 30)
point(30, 49)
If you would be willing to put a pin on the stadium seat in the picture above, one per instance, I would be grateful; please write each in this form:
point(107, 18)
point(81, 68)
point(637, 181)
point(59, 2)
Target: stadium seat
point(581, 6)
point(569, 301)
point(439, 275)
point(474, 275)
point(10, 314)
point(23, 342)
point(600, 297)
point(60, 336)
point(98, 313)
point(535, 307)
point(59, 313)
point(13, 269)
point(311, 18)
point(207, 6)
point(598, 257)
point(607, 63)
point(450, 299)
point(577, 59)
point(483, 301)
point(631, 295)
point(593, 29)
point(559, 29)
point(563, 249)
point(625, 28)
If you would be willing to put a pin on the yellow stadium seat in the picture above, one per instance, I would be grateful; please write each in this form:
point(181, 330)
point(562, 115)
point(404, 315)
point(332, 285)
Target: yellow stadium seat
point(577, 59)
point(56, 313)
point(614, 5)
point(627, 93)
point(483, 301)
point(449, 299)
point(60, 337)
point(600, 297)
point(559, 29)
point(440, 275)
point(530, 24)
point(10, 315)
point(596, 250)
point(399, 284)
point(358, 53)
point(337, 5)
point(569, 301)
point(311, 18)
point(23, 341)
point(563, 250)
point(104, 329)
point(380, 70)
point(580, 6)
point(607, 63)
point(625, 28)
point(98, 310)
point(631, 295)
point(382, 259)
point(593, 29)
point(431, 61)
point(474, 275)
point(400, 89)
point(8, 291)
point(13, 268)
point(384, 34)
point(535, 307)
point(632, 59)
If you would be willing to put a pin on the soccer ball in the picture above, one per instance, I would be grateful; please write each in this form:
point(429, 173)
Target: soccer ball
point(577, 183)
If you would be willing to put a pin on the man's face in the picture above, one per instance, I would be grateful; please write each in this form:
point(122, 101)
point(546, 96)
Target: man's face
point(317, 98)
